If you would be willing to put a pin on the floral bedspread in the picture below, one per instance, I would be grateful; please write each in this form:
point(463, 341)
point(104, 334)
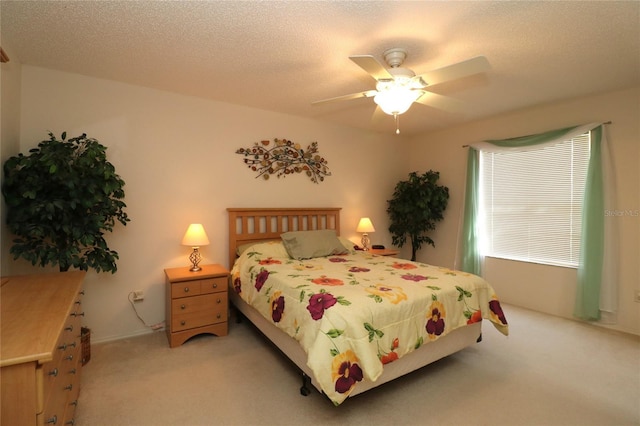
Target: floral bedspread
point(354, 313)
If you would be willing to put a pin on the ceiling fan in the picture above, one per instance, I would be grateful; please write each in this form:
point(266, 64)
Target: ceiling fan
point(397, 88)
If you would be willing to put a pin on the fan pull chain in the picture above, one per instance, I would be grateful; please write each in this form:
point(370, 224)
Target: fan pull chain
point(397, 124)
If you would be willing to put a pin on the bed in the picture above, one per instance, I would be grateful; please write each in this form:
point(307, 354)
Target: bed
point(349, 320)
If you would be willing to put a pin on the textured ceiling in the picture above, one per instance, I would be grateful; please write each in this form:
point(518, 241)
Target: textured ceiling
point(281, 56)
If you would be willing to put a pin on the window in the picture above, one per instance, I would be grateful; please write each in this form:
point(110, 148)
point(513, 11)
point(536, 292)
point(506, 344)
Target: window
point(531, 202)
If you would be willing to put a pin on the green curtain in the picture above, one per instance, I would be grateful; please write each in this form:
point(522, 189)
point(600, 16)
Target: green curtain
point(590, 270)
point(471, 261)
point(587, 305)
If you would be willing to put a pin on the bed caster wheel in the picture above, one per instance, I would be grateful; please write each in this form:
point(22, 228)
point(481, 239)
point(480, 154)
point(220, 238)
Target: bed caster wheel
point(306, 382)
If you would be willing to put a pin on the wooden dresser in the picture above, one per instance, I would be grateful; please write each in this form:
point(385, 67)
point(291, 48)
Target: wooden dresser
point(41, 348)
point(196, 302)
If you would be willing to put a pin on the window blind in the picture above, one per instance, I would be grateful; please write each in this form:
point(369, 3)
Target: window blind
point(531, 202)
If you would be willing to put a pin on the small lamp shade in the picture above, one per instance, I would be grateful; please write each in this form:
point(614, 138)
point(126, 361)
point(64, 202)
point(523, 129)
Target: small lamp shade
point(195, 237)
point(365, 226)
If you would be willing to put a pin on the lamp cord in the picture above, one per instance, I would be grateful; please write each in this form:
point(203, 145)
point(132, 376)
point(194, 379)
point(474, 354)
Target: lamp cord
point(157, 326)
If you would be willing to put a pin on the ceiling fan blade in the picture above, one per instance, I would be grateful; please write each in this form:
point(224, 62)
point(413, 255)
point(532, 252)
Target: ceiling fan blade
point(452, 72)
point(378, 115)
point(444, 103)
point(367, 94)
point(372, 66)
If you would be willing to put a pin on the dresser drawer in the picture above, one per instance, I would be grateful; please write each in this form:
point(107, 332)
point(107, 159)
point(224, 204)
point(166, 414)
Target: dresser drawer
point(185, 289)
point(213, 285)
point(67, 349)
point(199, 311)
point(62, 378)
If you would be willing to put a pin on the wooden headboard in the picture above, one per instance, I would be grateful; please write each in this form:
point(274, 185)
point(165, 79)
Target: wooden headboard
point(249, 225)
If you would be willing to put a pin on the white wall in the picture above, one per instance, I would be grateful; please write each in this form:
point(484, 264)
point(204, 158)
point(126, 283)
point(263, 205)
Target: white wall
point(177, 157)
point(10, 77)
point(545, 288)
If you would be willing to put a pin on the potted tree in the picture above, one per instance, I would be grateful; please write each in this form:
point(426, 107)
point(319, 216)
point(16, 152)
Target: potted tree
point(61, 199)
point(417, 204)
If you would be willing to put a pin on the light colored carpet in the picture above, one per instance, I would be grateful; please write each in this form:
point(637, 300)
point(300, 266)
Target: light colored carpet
point(549, 371)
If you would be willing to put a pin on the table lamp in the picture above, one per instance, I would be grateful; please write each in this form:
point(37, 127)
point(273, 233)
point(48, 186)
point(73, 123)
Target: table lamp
point(365, 226)
point(195, 237)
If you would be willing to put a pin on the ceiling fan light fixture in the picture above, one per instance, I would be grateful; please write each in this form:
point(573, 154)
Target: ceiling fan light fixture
point(396, 100)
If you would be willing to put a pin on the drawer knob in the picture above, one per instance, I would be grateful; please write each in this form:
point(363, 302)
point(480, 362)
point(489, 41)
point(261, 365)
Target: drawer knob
point(69, 358)
point(219, 301)
point(64, 346)
point(186, 289)
point(69, 328)
point(77, 314)
point(70, 422)
point(215, 285)
point(69, 387)
point(53, 420)
point(54, 372)
point(218, 316)
point(183, 306)
point(72, 371)
point(183, 322)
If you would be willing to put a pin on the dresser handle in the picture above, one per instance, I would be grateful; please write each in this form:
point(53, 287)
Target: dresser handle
point(69, 388)
point(71, 422)
point(183, 322)
point(69, 328)
point(69, 358)
point(54, 372)
point(186, 289)
point(74, 402)
point(82, 292)
point(72, 371)
point(53, 420)
point(64, 346)
point(76, 314)
point(77, 302)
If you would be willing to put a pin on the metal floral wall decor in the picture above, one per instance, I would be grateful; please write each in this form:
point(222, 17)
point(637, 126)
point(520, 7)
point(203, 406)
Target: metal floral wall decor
point(283, 158)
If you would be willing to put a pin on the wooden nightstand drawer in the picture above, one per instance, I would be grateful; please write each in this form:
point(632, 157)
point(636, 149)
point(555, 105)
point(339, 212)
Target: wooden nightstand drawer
point(198, 311)
point(205, 302)
point(185, 289)
point(213, 285)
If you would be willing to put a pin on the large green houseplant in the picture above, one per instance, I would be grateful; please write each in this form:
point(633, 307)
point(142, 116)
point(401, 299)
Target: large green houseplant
point(417, 204)
point(61, 199)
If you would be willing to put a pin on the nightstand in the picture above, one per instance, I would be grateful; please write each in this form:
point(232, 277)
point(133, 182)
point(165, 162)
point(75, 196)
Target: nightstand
point(384, 252)
point(196, 302)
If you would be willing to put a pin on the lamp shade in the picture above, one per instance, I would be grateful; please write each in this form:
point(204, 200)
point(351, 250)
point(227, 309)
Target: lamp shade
point(365, 225)
point(195, 236)
point(396, 100)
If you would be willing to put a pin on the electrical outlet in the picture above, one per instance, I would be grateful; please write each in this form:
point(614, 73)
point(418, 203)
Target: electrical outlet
point(637, 296)
point(138, 296)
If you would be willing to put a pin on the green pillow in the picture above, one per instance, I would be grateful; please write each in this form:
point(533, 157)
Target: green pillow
point(309, 244)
